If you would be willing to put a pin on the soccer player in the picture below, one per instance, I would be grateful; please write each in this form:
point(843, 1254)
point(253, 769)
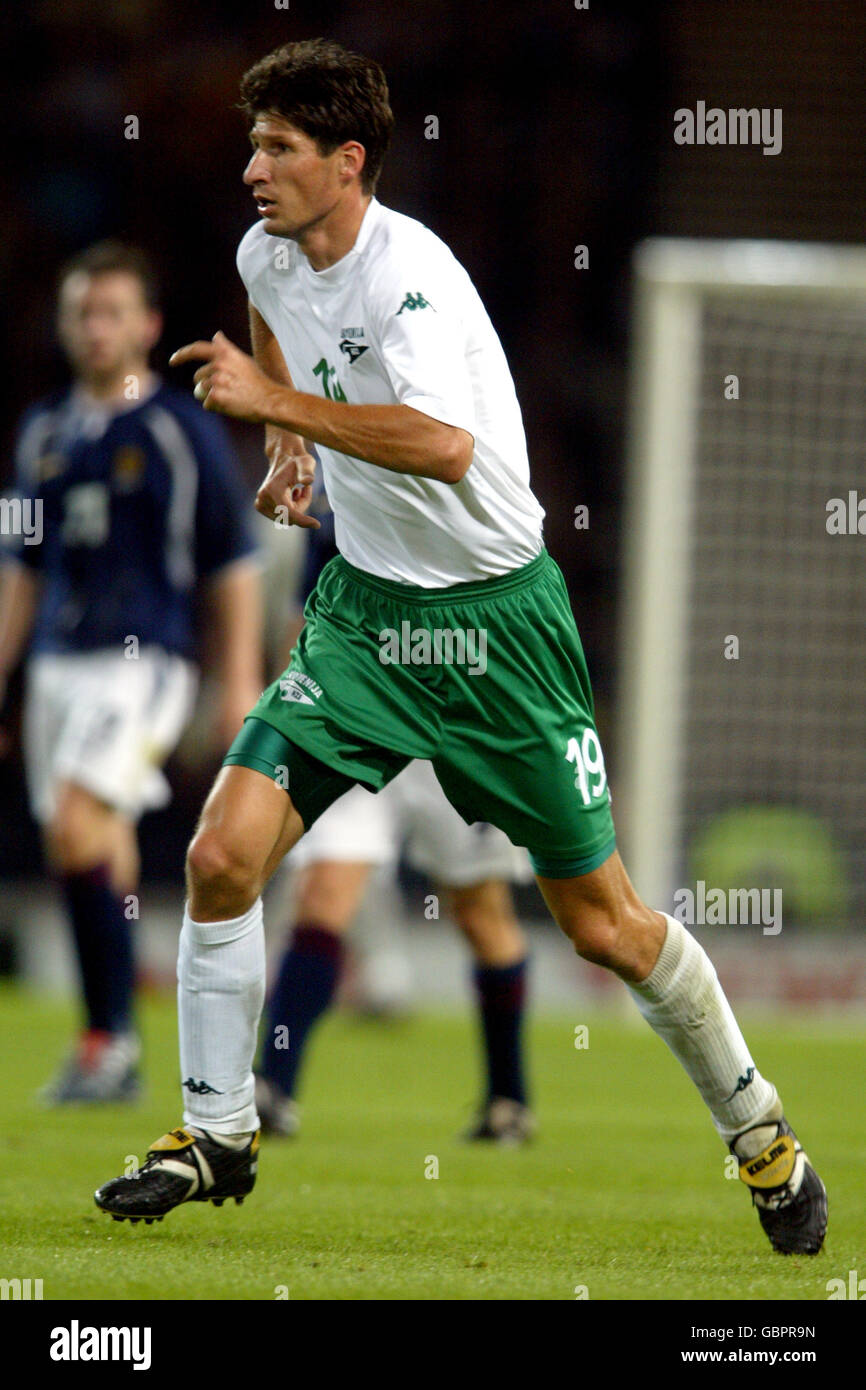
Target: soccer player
point(370, 340)
point(142, 513)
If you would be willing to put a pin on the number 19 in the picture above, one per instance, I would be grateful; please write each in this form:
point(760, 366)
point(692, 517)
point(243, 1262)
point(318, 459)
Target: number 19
point(589, 761)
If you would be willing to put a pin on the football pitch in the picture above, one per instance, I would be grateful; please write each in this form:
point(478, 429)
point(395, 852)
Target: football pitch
point(623, 1194)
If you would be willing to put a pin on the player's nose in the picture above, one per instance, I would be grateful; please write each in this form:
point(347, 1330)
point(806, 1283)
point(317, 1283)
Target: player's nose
point(255, 171)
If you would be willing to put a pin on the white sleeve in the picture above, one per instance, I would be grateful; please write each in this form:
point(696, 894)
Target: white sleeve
point(251, 262)
point(422, 342)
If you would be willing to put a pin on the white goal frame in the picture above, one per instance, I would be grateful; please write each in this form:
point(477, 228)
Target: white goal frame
point(670, 277)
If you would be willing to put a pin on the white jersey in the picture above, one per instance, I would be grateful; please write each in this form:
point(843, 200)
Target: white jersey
point(397, 321)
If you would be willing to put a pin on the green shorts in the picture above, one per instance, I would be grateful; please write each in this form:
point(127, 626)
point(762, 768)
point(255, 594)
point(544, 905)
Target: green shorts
point(487, 680)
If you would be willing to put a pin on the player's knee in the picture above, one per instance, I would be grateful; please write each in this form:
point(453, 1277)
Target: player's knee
point(215, 865)
point(487, 932)
point(596, 938)
point(483, 909)
point(602, 937)
point(61, 843)
point(72, 836)
point(623, 941)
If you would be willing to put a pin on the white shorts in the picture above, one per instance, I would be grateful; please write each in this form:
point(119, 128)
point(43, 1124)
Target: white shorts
point(105, 723)
point(412, 811)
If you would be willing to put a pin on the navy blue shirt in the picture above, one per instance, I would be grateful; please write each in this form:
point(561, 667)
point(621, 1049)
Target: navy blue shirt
point(137, 506)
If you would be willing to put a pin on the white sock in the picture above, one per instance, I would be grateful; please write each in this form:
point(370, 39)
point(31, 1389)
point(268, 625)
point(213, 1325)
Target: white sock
point(683, 1002)
point(220, 993)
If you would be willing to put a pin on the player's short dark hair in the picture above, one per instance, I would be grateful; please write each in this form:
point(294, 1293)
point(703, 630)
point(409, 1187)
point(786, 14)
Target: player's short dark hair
point(113, 257)
point(330, 94)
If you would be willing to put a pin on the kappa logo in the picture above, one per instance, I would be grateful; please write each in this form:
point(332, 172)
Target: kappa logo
point(414, 301)
point(299, 688)
point(353, 350)
point(201, 1088)
point(742, 1083)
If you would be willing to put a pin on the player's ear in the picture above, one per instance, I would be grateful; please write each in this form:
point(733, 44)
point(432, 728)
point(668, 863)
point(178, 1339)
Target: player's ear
point(153, 329)
point(353, 156)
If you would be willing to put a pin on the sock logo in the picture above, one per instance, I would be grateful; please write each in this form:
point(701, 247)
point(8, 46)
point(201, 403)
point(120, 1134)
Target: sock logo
point(201, 1088)
point(742, 1083)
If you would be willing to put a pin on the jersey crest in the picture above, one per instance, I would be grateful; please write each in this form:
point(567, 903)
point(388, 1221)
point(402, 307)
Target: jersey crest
point(127, 468)
point(353, 350)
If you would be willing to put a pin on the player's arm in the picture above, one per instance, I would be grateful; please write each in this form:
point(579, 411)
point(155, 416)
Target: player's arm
point(234, 605)
point(395, 437)
point(292, 466)
point(19, 598)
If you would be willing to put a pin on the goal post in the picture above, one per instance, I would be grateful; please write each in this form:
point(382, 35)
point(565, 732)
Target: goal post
point(742, 662)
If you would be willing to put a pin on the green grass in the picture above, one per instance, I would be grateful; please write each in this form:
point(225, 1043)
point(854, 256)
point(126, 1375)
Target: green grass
point(623, 1191)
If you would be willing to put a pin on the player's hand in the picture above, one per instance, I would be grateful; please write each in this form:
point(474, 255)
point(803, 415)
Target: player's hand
point(287, 491)
point(229, 382)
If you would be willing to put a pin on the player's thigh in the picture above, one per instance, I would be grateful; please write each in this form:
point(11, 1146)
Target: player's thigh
point(83, 829)
point(484, 912)
point(488, 901)
point(330, 892)
point(247, 825)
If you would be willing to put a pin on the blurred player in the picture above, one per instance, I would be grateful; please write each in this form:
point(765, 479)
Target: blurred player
point(142, 511)
point(335, 859)
point(403, 385)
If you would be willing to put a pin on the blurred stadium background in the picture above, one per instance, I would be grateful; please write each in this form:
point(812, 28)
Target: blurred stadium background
point(555, 130)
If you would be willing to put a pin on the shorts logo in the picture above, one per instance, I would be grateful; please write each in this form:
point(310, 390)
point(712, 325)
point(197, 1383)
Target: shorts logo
point(299, 688)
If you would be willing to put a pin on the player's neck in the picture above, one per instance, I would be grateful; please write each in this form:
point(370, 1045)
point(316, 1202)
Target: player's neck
point(329, 241)
point(132, 384)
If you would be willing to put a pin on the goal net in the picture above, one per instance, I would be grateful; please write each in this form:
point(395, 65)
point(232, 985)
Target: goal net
point(742, 706)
